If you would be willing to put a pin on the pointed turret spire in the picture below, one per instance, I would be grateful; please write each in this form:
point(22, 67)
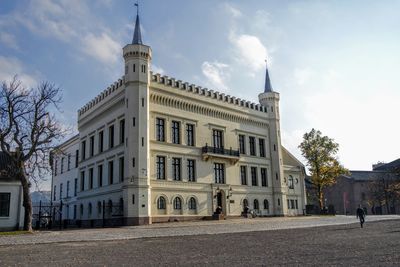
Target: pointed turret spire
point(137, 35)
point(267, 87)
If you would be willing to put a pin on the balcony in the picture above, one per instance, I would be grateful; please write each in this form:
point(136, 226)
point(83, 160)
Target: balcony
point(220, 152)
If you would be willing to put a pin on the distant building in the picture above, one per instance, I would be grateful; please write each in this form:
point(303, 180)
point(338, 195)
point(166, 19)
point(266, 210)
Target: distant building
point(153, 148)
point(11, 197)
point(370, 189)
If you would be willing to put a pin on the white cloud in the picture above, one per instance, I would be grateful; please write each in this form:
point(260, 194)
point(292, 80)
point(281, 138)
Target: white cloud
point(71, 22)
point(10, 66)
point(9, 40)
point(102, 48)
point(250, 51)
point(234, 12)
point(303, 75)
point(157, 69)
point(217, 75)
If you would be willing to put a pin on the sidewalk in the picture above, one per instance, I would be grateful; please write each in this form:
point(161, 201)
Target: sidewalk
point(238, 225)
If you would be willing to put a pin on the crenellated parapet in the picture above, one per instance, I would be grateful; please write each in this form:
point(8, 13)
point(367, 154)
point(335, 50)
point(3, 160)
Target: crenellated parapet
point(100, 98)
point(207, 93)
point(178, 85)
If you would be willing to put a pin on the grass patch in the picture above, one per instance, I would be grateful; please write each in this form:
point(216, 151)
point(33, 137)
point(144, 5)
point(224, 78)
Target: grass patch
point(15, 233)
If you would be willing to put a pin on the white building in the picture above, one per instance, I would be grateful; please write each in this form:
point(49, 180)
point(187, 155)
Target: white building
point(153, 148)
point(11, 197)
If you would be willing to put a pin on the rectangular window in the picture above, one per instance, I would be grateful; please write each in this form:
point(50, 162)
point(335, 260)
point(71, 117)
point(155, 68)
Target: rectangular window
point(91, 146)
point(55, 167)
point(160, 129)
point(160, 167)
point(219, 173)
point(74, 212)
point(110, 172)
point(218, 141)
point(264, 180)
point(100, 175)
point(69, 162)
point(5, 204)
point(83, 150)
point(54, 193)
point(242, 144)
point(91, 178)
point(67, 189)
point(121, 169)
point(62, 165)
point(191, 167)
point(75, 186)
point(61, 191)
point(297, 204)
point(243, 175)
point(121, 131)
point(176, 138)
point(111, 136)
point(101, 141)
point(76, 158)
point(252, 142)
point(261, 144)
point(253, 171)
point(176, 169)
point(82, 180)
point(190, 134)
point(290, 182)
point(292, 204)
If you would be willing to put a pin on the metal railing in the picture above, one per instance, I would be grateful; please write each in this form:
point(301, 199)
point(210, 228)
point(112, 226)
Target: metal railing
point(220, 151)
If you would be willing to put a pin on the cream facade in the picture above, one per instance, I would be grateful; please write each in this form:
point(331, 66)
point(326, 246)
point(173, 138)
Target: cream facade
point(153, 148)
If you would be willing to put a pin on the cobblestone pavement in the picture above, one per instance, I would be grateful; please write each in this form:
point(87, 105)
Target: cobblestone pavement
point(377, 244)
point(237, 225)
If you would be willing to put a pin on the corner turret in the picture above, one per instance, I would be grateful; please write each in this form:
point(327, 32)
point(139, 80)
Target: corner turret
point(137, 57)
point(270, 100)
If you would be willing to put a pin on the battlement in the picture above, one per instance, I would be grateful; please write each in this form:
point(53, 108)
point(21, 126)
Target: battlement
point(180, 85)
point(177, 84)
point(101, 97)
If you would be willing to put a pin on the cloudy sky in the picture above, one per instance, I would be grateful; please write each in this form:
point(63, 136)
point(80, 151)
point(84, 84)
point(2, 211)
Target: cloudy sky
point(335, 63)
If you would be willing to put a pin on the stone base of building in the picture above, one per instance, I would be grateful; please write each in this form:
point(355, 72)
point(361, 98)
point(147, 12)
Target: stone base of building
point(161, 219)
point(218, 217)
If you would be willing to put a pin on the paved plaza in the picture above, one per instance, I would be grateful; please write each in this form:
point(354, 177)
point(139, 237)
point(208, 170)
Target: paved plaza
point(336, 243)
point(238, 225)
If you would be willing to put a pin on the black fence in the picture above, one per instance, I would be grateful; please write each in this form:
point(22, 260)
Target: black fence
point(50, 216)
point(44, 214)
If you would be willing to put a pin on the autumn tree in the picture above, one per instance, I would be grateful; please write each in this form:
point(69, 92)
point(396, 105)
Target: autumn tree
point(28, 131)
point(323, 165)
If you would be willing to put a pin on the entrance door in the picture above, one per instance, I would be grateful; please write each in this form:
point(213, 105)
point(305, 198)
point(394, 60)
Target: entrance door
point(221, 201)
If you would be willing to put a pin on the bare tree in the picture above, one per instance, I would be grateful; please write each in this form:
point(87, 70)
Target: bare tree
point(28, 132)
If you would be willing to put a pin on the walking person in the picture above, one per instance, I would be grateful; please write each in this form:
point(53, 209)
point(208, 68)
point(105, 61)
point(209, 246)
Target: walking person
point(361, 215)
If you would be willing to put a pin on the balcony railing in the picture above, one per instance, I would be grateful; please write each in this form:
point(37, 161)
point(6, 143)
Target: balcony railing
point(220, 152)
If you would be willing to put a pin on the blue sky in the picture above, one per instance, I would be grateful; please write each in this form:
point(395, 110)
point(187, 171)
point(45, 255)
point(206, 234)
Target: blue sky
point(335, 63)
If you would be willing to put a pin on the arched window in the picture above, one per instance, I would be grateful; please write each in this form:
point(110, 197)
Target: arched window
point(192, 203)
point(177, 203)
point(266, 204)
point(90, 209)
point(256, 206)
point(161, 203)
point(245, 203)
point(290, 182)
point(98, 207)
